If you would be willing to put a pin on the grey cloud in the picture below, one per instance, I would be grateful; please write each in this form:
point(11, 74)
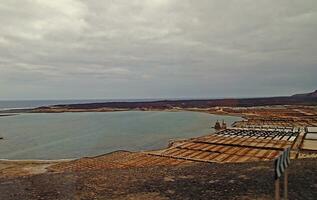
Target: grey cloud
point(156, 48)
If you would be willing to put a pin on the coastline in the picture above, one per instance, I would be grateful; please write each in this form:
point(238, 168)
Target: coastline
point(7, 115)
point(124, 162)
point(39, 161)
point(224, 111)
point(214, 111)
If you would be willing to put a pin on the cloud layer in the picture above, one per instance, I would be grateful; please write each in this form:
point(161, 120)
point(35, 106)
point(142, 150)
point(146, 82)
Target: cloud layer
point(156, 48)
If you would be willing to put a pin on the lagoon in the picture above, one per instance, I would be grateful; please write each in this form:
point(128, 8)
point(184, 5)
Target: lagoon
point(75, 135)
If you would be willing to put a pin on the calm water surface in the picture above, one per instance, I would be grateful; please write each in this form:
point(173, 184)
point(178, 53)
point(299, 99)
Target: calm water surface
point(72, 135)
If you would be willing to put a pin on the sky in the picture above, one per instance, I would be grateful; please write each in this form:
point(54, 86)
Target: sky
point(118, 49)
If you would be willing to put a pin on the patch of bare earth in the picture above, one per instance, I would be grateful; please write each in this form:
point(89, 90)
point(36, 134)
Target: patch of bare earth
point(184, 181)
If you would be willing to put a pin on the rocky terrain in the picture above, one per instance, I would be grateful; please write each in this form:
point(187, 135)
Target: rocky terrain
point(188, 181)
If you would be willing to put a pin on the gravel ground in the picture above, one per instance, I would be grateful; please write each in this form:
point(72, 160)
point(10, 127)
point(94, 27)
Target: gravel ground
point(191, 181)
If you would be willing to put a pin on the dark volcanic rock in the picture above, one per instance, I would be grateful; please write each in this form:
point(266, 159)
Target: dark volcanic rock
point(168, 104)
point(304, 99)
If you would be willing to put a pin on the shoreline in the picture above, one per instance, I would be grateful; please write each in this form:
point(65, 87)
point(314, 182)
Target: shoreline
point(8, 115)
point(43, 161)
point(123, 159)
point(39, 161)
point(222, 111)
point(212, 111)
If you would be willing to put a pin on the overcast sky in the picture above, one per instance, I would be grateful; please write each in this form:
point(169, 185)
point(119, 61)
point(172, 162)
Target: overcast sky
point(70, 49)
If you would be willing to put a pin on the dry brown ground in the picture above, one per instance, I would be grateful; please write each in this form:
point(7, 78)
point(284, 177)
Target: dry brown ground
point(186, 181)
point(11, 168)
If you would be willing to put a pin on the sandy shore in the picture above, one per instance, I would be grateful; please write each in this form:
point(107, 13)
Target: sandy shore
point(15, 168)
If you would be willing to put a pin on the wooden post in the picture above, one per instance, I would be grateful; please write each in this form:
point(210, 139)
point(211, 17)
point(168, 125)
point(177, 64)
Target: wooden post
point(277, 189)
point(285, 184)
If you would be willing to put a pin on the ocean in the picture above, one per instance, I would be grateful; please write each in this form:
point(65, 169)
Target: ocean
point(13, 104)
point(74, 135)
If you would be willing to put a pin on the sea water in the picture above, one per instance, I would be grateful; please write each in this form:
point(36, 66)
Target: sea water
point(74, 135)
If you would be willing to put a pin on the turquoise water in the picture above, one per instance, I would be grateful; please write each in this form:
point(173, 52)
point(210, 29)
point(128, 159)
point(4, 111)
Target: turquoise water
point(73, 135)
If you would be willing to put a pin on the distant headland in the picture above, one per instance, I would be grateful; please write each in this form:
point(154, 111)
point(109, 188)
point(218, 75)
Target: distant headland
point(297, 99)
